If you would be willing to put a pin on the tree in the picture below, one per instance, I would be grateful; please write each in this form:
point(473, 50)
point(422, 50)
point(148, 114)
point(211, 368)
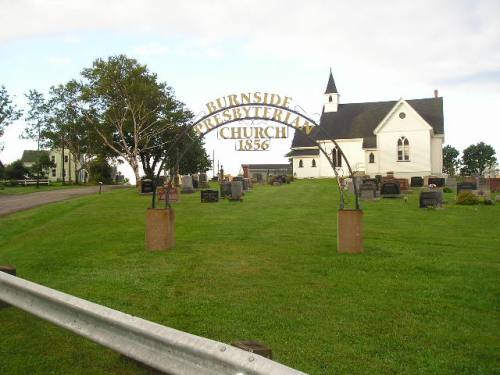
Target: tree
point(127, 107)
point(41, 167)
point(16, 171)
point(451, 162)
point(8, 111)
point(2, 171)
point(477, 158)
point(100, 171)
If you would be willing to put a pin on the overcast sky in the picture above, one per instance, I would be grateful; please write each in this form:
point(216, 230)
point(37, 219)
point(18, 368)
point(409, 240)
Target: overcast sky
point(378, 50)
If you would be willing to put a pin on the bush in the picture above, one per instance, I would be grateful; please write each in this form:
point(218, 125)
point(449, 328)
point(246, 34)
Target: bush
point(467, 198)
point(447, 190)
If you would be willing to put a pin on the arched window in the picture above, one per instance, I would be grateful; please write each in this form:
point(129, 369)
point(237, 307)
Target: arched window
point(403, 149)
point(371, 158)
point(301, 164)
point(330, 99)
point(337, 157)
point(313, 164)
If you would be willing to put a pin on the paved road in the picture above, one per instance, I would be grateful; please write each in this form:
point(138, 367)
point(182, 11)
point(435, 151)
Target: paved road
point(14, 203)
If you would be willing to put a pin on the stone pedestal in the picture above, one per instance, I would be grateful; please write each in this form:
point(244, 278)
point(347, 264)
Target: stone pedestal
point(160, 228)
point(350, 231)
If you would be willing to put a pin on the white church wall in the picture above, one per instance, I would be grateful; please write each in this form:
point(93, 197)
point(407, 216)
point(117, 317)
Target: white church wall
point(418, 133)
point(372, 169)
point(352, 149)
point(436, 155)
point(307, 170)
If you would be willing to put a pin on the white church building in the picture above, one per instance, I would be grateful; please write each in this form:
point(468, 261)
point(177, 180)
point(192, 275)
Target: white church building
point(404, 136)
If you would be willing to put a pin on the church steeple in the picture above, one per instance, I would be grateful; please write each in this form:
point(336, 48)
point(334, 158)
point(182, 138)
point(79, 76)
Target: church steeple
point(330, 87)
point(331, 95)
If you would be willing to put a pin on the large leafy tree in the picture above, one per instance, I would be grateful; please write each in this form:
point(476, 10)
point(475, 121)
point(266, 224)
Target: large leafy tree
point(42, 165)
point(16, 171)
point(476, 159)
point(135, 116)
point(8, 111)
point(451, 161)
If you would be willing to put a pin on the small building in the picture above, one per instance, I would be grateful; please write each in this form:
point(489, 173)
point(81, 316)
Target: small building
point(400, 136)
point(261, 172)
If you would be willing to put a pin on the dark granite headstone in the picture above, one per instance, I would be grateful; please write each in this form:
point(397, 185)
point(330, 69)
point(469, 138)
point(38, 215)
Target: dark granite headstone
point(438, 181)
point(378, 177)
point(209, 196)
point(146, 186)
point(431, 199)
point(417, 181)
point(466, 186)
point(390, 189)
point(196, 181)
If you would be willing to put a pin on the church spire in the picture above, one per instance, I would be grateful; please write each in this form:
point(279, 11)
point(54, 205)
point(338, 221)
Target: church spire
point(331, 101)
point(330, 87)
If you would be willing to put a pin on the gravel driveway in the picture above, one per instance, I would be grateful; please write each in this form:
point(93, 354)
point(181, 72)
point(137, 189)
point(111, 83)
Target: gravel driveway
point(14, 203)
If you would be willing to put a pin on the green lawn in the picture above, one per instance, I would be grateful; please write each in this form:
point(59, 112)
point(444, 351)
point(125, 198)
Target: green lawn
point(422, 299)
point(17, 190)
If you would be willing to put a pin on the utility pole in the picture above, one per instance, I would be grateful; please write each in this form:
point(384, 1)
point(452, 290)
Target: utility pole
point(62, 159)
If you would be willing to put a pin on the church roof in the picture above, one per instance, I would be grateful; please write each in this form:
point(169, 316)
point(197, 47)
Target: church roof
point(359, 120)
point(306, 152)
point(330, 87)
point(268, 166)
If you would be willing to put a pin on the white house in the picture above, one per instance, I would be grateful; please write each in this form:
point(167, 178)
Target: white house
point(71, 165)
point(404, 136)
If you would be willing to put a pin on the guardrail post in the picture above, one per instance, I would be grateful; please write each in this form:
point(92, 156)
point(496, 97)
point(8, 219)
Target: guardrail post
point(12, 271)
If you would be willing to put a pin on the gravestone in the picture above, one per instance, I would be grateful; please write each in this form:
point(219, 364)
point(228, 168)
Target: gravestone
point(225, 189)
point(146, 186)
point(438, 181)
point(372, 181)
point(368, 191)
point(431, 199)
point(378, 177)
point(451, 182)
point(196, 181)
point(483, 187)
point(236, 190)
point(390, 189)
point(248, 182)
point(403, 184)
point(203, 181)
point(349, 184)
point(495, 184)
point(209, 196)
point(187, 185)
point(417, 181)
point(245, 184)
point(466, 186)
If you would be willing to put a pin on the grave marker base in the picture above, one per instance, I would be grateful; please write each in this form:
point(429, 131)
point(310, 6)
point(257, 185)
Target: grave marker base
point(160, 229)
point(350, 231)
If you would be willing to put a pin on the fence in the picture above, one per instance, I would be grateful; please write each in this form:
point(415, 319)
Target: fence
point(160, 347)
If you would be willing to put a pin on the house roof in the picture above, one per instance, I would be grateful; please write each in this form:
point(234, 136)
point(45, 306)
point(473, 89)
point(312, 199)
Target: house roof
point(330, 87)
point(31, 156)
point(268, 166)
point(359, 120)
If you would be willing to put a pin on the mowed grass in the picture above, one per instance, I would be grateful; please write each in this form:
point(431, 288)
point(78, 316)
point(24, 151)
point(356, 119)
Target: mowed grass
point(422, 299)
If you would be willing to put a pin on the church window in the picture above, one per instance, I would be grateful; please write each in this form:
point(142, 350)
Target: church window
point(337, 157)
point(371, 158)
point(402, 115)
point(301, 164)
point(313, 164)
point(403, 149)
point(330, 99)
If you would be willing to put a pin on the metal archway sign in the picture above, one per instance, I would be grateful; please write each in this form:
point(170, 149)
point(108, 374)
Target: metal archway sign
point(257, 106)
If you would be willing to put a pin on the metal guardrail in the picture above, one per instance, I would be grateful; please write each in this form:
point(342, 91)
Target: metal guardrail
point(163, 348)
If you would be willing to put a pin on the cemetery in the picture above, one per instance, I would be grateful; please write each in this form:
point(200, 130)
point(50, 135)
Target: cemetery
point(420, 298)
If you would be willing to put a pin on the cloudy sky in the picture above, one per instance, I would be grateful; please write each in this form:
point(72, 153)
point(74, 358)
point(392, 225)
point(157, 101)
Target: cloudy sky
point(378, 50)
